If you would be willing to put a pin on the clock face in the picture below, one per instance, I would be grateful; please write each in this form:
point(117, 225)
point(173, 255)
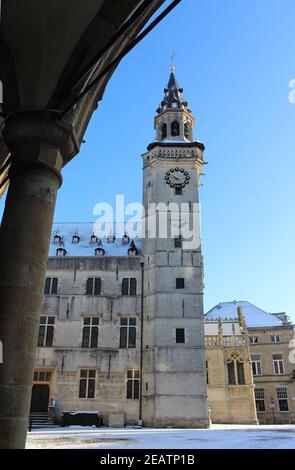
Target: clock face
point(177, 177)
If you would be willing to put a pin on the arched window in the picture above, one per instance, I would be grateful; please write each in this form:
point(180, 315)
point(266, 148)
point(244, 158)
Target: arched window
point(235, 370)
point(187, 130)
point(175, 128)
point(164, 131)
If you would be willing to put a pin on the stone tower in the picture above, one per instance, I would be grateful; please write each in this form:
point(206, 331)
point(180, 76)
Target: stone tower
point(173, 345)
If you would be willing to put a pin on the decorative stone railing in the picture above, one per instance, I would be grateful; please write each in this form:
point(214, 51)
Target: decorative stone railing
point(214, 341)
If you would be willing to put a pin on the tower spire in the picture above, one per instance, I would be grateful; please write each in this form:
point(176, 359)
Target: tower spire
point(174, 120)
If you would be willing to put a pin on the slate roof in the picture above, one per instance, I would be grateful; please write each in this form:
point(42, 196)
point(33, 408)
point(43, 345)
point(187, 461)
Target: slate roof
point(85, 247)
point(254, 316)
point(173, 95)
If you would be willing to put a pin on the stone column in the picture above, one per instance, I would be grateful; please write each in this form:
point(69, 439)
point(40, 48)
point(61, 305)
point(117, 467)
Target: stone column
point(36, 141)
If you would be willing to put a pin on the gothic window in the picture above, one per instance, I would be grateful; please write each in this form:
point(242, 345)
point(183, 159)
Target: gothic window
point(235, 370)
point(90, 332)
point(50, 287)
point(46, 330)
point(133, 384)
point(163, 131)
point(129, 286)
point(187, 130)
point(127, 333)
point(87, 383)
point(240, 373)
point(175, 128)
point(93, 286)
point(231, 373)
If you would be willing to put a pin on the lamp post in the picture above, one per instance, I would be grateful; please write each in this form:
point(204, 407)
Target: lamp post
point(272, 407)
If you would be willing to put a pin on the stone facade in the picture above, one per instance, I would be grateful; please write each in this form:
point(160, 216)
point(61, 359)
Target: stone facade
point(136, 344)
point(230, 390)
point(274, 373)
point(271, 342)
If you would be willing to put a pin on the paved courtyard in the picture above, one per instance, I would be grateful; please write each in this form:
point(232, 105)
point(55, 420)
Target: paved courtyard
point(218, 437)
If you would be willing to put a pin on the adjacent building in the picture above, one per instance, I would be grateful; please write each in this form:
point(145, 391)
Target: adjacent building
point(272, 345)
point(229, 373)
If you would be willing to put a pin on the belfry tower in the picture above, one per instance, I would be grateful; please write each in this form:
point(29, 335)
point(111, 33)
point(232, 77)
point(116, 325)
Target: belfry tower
point(174, 351)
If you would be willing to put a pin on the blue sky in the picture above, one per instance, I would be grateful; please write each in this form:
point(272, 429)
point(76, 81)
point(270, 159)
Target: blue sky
point(234, 60)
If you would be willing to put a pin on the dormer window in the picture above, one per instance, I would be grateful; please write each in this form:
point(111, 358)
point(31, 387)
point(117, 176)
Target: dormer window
point(125, 239)
point(75, 238)
point(93, 239)
point(111, 239)
point(175, 128)
point(99, 251)
point(164, 131)
point(61, 251)
point(132, 250)
point(57, 239)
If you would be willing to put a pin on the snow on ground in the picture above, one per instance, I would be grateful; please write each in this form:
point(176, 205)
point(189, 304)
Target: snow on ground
point(217, 437)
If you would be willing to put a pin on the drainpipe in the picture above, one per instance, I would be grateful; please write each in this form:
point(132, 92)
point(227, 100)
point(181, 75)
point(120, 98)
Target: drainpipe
point(141, 343)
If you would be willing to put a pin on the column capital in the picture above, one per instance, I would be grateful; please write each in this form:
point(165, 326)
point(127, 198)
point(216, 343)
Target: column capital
point(39, 138)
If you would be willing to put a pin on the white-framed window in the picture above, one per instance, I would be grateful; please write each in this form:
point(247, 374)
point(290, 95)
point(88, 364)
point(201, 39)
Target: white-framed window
point(274, 338)
point(90, 332)
point(127, 333)
point(260, 400)
point(278, 364)
point(46, 331)
point(87, 383)
point(256, 364)
point(282, 395)
point(253, 339)
point(133, 384)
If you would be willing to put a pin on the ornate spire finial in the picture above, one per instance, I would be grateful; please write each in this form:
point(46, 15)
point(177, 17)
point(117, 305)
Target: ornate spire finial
point(172, 68)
